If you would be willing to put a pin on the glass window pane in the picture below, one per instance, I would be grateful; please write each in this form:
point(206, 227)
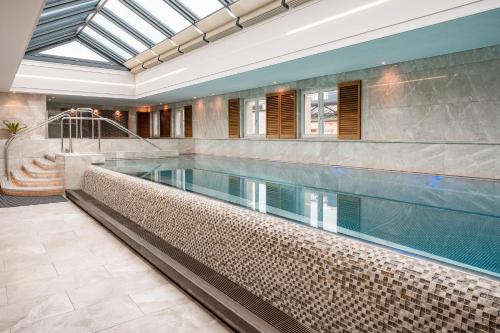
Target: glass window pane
point(311, 114)
point(330, 212)
point(330, 115)
point(178, 123)
point(250, 117)
point(74, 50)
point(119, 33)
point(202, 8)
point(165, 14)
point(262, 116)
point(135, 21)
point(106, 43)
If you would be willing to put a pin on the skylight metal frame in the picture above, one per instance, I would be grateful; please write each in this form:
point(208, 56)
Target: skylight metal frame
point(115, 40)
point(127, 27)
point(143, 13)
point(101, 49)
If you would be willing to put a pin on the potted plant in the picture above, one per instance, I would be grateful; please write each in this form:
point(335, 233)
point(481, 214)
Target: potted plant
point(13, 127)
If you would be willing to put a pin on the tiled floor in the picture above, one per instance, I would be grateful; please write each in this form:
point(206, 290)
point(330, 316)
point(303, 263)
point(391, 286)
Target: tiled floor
point(60, 271)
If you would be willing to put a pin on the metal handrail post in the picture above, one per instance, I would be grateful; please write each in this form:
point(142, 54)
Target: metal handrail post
point(62, 136)
point(70, 136)
point(99, 134)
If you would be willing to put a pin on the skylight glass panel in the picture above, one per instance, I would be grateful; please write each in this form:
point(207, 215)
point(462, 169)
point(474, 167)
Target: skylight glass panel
point(202, 8)
point(119, 33)
point(106, 43)
point(166, 14)
point(74, 50)
point(135, 21)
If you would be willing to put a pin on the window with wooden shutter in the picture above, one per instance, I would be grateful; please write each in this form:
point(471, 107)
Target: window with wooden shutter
point(233, 114)
point(281, 117)
point(188, 121)
point(349, 110)
point(288, 115)
point(273, 116)
point(143, 124)
point(165, 123)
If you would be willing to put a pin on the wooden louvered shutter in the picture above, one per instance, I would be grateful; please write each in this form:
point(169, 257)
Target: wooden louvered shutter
point(349, 110)
point(273, 116)
point(233, 114)
point(288, 115)
point(188, 121)
point(281, 115)
point(165, 123)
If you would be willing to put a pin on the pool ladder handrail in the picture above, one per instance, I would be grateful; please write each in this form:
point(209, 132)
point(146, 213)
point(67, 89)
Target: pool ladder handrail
point(64, 115)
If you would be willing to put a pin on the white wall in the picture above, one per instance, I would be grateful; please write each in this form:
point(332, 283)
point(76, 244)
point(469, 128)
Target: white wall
point(53, 78)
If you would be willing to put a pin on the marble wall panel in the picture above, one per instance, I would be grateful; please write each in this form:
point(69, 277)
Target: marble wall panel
point(28, 109)
point(471, 161)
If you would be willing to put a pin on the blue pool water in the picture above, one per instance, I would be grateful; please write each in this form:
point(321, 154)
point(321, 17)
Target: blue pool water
point(453, 220)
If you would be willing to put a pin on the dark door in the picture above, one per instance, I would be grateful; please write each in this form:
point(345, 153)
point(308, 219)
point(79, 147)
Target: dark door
point(165, 123)
point(143, 124)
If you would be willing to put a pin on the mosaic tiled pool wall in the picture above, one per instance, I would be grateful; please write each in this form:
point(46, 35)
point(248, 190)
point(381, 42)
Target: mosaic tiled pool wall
point(327, 282)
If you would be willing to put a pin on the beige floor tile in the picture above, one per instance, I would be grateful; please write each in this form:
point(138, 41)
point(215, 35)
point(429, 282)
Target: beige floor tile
point(191, 319)
point(115, 287)
point(57, 239)
point(59, 284)
point(108, 284)
point(72, 322)
point(27, 274)
point(3, 296)
point(21, 314)
point(79, 264)
point(27, 261)
point(132, 265)
point(161, 298)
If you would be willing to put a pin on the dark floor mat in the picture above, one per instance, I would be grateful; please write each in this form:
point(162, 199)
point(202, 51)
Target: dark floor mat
point(7, 201)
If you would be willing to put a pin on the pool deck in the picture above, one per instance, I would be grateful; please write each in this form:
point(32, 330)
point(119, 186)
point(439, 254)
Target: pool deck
point(61, 271)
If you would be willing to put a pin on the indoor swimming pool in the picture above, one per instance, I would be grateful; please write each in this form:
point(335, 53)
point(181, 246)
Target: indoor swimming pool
point(452, 220)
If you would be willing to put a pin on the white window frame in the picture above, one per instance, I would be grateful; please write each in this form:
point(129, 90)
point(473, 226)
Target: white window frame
point(321, 125)
point(257, 115)
point(174, 123)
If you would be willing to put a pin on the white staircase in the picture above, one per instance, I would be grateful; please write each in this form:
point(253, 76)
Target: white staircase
point(41, 177)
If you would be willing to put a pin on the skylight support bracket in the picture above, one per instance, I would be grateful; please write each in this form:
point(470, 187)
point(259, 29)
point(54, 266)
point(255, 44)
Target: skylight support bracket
point(127, 27)
point(136, 8)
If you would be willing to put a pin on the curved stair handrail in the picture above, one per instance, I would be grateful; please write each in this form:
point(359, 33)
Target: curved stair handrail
point(62, 115)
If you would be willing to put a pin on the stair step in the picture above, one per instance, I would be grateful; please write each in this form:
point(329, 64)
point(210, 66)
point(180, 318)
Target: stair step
point(22, 179)
point(11, 189)
point(36, 172)
point(46, 164)
point(50, 157)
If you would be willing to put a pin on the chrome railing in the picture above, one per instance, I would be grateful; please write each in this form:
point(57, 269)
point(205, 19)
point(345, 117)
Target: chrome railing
point(64, 116)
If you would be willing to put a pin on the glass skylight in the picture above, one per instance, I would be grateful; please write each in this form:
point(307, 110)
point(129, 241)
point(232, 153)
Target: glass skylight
point(202, 8)
point(135, 21)
point(106, 43)
point(166, 14)
point(74, 50)
point(119, 33)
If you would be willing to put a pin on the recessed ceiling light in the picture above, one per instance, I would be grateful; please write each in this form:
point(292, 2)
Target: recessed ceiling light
point(195, 97)
point(383, 63)
point(275, 82)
